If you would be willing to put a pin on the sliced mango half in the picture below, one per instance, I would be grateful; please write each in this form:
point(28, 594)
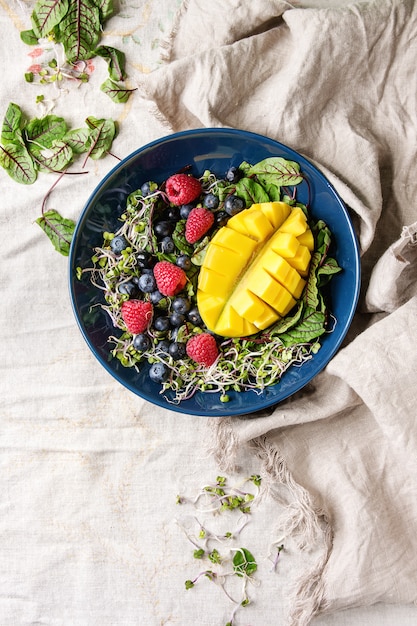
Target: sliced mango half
point(255, 269)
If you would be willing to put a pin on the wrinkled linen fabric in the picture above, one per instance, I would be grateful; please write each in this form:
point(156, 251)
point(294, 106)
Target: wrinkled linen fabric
point(339, 85)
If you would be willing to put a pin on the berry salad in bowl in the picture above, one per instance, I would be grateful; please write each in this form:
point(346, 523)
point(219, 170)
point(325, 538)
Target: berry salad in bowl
point(214, 272)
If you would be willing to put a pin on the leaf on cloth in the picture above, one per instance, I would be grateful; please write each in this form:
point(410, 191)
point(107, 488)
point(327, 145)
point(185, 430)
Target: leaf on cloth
point(79, 30)
point(59, 230)
point(17, 162)
point(10, 132)
point(78, 139)
point(116, 92)
point(102, 135)
point(54, 157)
point(116, 60)
point(46, 131)
point(46, 15)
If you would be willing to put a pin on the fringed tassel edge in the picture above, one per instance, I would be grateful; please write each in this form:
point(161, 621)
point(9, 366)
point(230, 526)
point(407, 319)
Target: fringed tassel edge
point(166, 45)
point(306, 524)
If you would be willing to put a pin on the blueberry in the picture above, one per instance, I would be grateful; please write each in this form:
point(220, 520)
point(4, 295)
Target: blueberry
point(164, 228)
point(221, 218)
point(118, 243)
point(147, 283)
point(233, 174)
point(181, 305)
point(142, 342)
point(184, 262)
point(155, 296)
point(146, 189)
point(129, 288)
point(173, 213)
point(163, 346)
point(167, 245)
point(194, 317)
point(233, 204)
point(158, 372)
point(185, 210)
point(211, 201)
point(161, 324)
point(144, 258)
point(177, 319)
point(177, 350)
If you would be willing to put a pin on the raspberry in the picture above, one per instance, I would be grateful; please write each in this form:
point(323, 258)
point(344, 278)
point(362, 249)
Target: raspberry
point(203, 349)
point(198, 223)
point(170, 279)
point(182, 189)
point(137, 315)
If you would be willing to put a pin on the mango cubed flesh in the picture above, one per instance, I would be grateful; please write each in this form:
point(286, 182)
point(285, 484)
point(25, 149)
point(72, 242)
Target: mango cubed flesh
point(245, 285)
point(284, 244)
point(236, 241)
point(231, 324)
point(257, 225)
point(307, 239)
point(296, 223)
point(280, 269)
point(262, 284)
point(214, 283)
point(252, 308)
point(301, 260)
point(276, 212)
point(223, 261)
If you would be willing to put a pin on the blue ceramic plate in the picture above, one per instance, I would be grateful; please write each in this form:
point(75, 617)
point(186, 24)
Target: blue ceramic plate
point(214, 149)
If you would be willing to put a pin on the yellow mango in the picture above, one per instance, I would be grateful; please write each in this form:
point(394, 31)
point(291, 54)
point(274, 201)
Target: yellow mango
point(252, 308)
point(231, 324)
point(262, 284)
point(257, 225)
point(296, 223)
point(307, 239)
point(215, 283)
point(301, 260)
point(254, 269)
point(276, 212)
point(233, 240)
point(284, 244)
point(282, 271)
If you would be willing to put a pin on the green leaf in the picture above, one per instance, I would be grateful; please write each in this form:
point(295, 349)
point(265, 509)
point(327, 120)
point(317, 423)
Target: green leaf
point(78, 139)
point(276, 170)
point(326, 270)
point(311, 326)
point(102, 135)
point(47, 14)
point(251, 191)
point(287, 322)
point(105, 7)
point(116, 92)
point(79, 30)
point(116, 60)
point(59, 230)
point(310, 295)
point(54, 158)
point(28, 37)
point(244, 563)
point(10, 132)
point(46, 130)
point(18, 163)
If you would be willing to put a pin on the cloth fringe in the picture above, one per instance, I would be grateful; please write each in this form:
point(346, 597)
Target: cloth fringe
point(166, 45)
point(307, 525)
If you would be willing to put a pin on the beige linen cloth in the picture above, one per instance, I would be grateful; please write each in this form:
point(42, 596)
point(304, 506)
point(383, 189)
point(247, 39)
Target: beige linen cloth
point(339, 85)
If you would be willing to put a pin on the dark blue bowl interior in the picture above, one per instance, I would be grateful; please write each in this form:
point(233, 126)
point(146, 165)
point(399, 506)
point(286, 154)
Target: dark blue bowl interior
point(216, 150)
